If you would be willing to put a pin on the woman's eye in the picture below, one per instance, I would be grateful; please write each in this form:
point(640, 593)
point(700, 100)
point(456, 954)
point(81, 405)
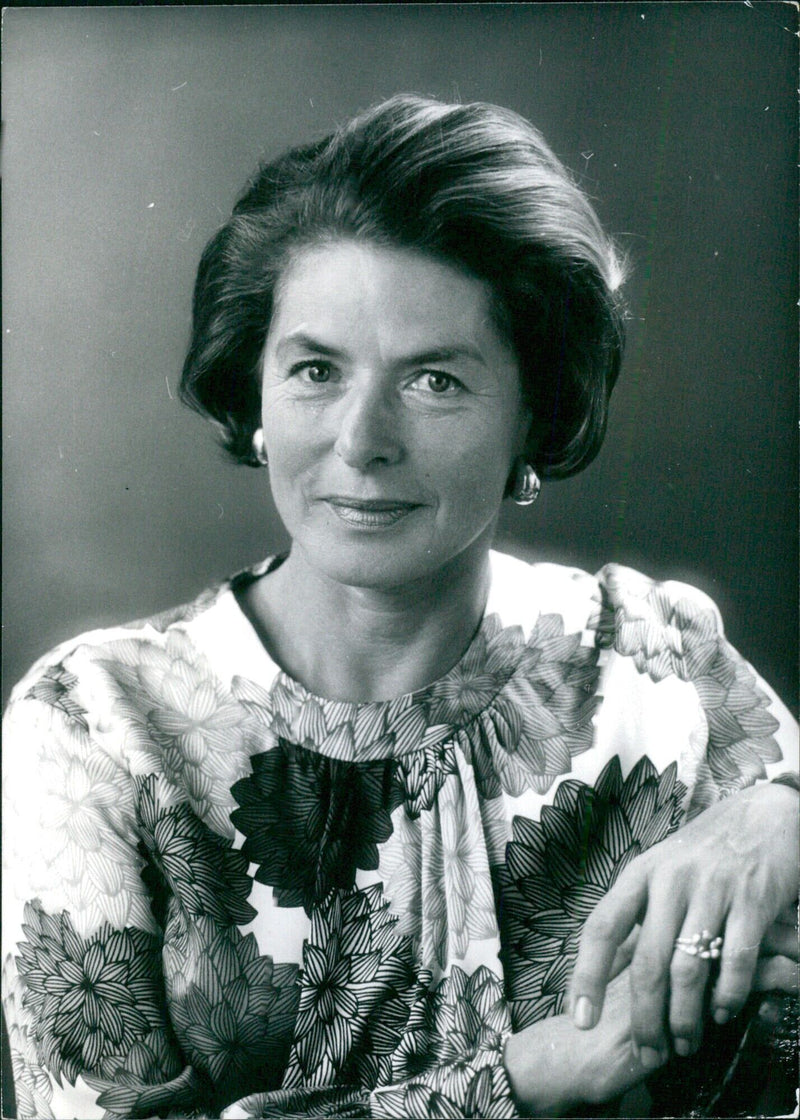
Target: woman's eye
point(437, 382)
point(315, 372)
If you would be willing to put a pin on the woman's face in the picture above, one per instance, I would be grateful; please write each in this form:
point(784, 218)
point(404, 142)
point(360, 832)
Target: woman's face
point(392, 413)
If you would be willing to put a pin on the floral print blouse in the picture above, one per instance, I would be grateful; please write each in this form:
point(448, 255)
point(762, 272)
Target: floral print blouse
point(225, 896)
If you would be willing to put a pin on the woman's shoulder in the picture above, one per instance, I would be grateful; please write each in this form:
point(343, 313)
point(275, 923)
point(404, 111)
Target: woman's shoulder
point(622, 594)
point(196, 622)
point(625, 587)
point(661, 651)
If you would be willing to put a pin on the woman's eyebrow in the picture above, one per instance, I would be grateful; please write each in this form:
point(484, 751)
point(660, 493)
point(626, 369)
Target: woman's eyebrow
point(443, 354)
point(299, 340)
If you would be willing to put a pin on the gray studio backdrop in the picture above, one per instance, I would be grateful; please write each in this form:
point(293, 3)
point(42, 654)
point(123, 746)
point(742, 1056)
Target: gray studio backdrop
point(128, 133)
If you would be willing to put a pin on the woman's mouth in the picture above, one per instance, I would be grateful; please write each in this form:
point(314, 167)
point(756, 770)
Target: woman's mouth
point(369, 513)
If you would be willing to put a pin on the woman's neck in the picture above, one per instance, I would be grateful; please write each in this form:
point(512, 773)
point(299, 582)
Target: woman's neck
point(362, 644)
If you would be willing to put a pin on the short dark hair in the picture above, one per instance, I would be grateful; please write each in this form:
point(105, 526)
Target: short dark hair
point(474, 184)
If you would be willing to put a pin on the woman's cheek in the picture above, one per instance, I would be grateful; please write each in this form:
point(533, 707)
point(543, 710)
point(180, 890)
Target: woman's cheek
point(478, 475)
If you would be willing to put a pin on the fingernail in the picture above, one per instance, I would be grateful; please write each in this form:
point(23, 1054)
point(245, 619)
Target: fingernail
point(683, 1047)
point(650, 1058)
point(721, 1016)
point(584, 1013)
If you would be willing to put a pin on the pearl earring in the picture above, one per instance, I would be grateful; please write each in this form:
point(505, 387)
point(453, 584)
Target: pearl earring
point(526, 485)
point(259, 451)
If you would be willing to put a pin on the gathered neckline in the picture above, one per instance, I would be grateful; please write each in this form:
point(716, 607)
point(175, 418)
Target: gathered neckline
point(379, 728)
point(521, 679)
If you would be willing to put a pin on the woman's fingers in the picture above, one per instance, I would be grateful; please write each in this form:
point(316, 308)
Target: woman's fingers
point(777, 973)
point(608, 926)
point(698, 944)
point(624, 954)
point(729, 873)
point(650, 971)
point(743, 934)
point(781, 939)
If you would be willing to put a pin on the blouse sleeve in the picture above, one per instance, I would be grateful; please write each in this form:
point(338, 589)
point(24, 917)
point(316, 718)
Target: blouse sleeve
point(368, 1016)
point(474, 1085)
point(83, 989)
point(455, 1037)
point(668, 637)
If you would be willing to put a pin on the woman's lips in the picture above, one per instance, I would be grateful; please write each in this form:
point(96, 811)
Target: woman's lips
point(370, 513)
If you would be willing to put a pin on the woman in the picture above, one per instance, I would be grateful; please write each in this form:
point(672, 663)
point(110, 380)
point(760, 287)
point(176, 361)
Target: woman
point(326, 840)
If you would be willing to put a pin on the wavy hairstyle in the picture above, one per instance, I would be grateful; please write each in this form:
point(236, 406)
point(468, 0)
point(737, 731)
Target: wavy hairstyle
point(477, 186)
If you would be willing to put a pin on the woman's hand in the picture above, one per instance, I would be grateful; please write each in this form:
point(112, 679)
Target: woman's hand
point(732, 871)
point(777, 966)
point(554, 1067)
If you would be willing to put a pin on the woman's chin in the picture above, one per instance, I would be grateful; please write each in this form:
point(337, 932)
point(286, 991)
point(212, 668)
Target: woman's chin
point(374, 568)
point(374, 560)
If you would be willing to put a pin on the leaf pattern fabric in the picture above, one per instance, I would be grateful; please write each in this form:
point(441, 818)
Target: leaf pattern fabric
point(227, 896)
point(232, 1009)
point(311, 821)
point(558, 868)
point(93, 1000)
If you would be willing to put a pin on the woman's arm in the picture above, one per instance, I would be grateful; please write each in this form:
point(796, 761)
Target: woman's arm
point(83, 987)
point(554, 1068)
point(429, 1049)
point(731, 871)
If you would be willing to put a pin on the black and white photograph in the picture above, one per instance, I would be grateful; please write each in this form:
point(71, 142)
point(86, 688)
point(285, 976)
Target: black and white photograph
point(400, 536)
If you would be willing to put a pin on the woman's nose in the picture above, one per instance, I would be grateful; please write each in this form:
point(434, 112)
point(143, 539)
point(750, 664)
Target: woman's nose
point(368, 428)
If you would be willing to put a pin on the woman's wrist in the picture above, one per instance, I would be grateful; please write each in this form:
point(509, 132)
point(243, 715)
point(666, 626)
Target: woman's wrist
point(540, 1064)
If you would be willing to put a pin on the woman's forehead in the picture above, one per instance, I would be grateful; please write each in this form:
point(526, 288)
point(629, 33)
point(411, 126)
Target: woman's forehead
point(413, 296)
